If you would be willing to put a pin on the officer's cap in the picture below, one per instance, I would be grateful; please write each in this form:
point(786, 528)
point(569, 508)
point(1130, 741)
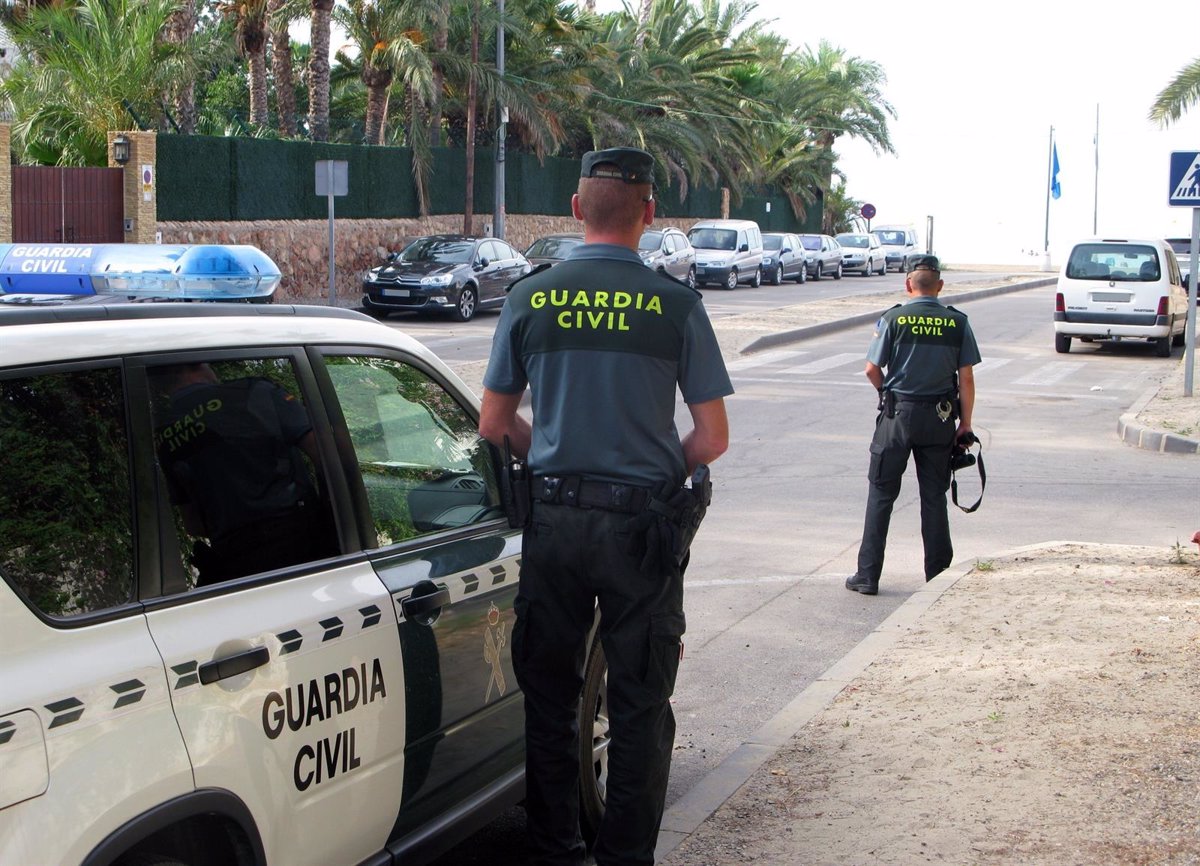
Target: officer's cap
point(621, 163)
point(926, 263)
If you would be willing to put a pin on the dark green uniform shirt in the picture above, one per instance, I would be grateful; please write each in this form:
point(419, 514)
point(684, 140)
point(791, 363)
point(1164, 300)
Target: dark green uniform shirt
point(603, 342)
point(921, 344)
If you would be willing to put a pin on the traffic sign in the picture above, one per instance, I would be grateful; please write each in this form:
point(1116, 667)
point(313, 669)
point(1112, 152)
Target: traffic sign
point(1185, 179)
point(868, 211)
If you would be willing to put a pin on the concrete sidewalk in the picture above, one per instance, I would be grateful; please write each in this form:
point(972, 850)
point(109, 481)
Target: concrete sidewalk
point(852, 771)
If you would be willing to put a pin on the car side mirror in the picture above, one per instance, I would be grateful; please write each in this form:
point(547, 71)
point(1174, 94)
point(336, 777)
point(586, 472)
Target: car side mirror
point(482, 263)
point(744, 248)
point(786, 250)
point(391, 257)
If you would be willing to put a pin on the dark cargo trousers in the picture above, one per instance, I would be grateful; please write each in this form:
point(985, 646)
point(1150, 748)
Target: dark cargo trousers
point(915, 428)
point(573, 557)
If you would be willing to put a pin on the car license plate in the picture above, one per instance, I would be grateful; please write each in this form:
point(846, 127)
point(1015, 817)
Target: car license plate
point(395, 293)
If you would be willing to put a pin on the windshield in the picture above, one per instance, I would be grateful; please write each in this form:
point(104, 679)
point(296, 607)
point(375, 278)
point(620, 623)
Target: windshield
point(650, 241)
point(553, 248)
point(772, 242)
point(853, 240)
point(438, 250)
point(1113, 262)
point(895, 239)
point(810, 242)
point(713, 239)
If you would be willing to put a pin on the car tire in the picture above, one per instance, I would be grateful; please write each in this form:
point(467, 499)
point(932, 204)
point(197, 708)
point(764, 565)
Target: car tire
point(883, 268)
point(731, 280)
point(594, 740)
point(150, 860)
point(756, 280)
point(802, 277)
point(1162, 346)
point(691, 278)
point(1179, 338)
point(837, 275)
point(464, 309)
point(1062, 343)
point(819, 272)
point(868, 268)
point(777, 276)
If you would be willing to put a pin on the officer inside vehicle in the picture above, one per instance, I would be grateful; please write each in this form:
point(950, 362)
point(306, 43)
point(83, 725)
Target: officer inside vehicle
point(233, 455)
point(926, 399)
point(603, 343)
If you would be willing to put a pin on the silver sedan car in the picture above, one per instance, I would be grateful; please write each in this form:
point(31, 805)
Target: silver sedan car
point(669, 251)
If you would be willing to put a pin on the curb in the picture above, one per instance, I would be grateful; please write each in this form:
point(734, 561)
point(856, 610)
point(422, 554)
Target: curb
point(695, 807)
point(780, 338)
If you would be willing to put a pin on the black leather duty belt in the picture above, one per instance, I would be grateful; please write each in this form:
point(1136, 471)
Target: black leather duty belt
point(581, 493)
point(902, 398)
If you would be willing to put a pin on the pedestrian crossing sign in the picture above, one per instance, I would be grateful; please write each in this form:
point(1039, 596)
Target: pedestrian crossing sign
point(1185, 179)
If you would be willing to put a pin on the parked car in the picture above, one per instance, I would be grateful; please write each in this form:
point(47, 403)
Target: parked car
point(1118, 289)
point(669, 251)
point(899, 245)
point(728, 252)
point(862, 253)
point(176, 686)
point(784, 258)
point(1183, 254)
point(451, 273)
point(824, 256)
point(552, 249)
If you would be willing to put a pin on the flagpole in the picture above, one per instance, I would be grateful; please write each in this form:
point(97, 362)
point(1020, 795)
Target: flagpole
point(1049, 181)
point(1096, 182)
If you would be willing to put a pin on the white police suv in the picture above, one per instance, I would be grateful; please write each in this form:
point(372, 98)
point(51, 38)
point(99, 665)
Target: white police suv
point(256, 593)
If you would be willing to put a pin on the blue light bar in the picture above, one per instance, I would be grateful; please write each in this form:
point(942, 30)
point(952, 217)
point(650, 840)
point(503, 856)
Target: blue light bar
point(202, 272)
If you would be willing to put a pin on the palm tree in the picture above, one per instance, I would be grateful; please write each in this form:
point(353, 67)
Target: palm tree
point(86, 69)
point(280, 14)
point(180, 29)
point(845, 98)
point(1182, 93)
point(250, 21)
point(318, 70)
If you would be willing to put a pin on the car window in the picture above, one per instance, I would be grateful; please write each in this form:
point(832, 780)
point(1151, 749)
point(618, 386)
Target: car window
point(451, 252)
point(553, 248)
point(650, 241)
point(237, 456)
point(810, 243)
point(772, 242)
point(713, 239)
point(892, 238)
point(66, 538)
point(857, 241)
point(1113, 262)
point(423, 465)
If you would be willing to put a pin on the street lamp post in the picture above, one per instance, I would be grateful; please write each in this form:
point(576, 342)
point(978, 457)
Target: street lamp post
point(501, 131)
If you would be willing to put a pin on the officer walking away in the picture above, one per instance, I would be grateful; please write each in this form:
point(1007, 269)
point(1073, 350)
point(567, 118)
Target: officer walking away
point(603, 342)
point(928, 351)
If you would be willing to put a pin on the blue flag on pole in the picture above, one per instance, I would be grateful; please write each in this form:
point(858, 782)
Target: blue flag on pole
point(1055, 187)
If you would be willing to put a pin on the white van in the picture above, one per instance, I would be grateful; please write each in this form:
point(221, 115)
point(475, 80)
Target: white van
point(899, 243)
point(1118, 288)
point(728, 252)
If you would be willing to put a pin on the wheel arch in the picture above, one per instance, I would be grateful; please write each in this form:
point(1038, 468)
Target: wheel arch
point(168, 827)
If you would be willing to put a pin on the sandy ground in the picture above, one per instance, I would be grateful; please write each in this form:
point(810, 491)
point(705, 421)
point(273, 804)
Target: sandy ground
point(1045, 710)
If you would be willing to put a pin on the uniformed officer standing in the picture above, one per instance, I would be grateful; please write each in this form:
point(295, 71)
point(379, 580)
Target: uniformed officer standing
point(929, 352)
point(602, 342)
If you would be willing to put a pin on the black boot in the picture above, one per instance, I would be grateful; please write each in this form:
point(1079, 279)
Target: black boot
point(865, 585)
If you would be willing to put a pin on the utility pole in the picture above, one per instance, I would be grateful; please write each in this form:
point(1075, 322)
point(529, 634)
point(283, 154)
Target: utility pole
point(501, 131)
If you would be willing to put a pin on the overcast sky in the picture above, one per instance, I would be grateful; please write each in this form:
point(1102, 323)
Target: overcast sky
point(976, 93)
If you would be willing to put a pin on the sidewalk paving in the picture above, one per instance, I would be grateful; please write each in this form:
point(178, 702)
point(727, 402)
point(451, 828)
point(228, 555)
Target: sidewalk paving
point(1036, 708)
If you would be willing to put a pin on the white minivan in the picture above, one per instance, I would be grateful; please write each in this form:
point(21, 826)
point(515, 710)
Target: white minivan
point(728, 252)
point(1120, 288)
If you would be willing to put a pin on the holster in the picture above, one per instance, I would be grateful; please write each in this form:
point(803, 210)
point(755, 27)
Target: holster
point(515, 489)
point(679, 515)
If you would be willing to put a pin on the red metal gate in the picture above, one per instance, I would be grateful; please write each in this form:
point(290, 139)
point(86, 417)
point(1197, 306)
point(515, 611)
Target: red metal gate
point(52, 204)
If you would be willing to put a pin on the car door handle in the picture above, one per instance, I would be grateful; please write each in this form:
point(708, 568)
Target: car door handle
point(231, 666)
point(423, 605)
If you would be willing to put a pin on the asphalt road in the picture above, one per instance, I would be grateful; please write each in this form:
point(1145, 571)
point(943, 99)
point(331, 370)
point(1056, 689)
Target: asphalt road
point(766, 610)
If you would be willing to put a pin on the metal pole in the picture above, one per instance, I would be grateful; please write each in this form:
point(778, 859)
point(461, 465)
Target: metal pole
point(501, 132)
point(1189, 353)
point(329, 190)
point(1096, 181)
point(1049, 180)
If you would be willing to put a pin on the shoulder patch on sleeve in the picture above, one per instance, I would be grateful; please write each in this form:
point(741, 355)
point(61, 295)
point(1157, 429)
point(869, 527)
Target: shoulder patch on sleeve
point(960, 312)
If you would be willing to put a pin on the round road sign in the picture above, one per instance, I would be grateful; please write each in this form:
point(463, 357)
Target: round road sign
point(868, 211)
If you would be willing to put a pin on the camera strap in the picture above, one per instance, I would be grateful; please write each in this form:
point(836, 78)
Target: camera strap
point(982, 483)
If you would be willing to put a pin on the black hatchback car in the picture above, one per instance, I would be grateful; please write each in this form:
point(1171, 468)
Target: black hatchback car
point(452, 273)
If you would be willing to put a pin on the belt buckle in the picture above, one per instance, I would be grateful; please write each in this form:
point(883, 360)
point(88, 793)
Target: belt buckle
point(620, 494)
point(550, 485)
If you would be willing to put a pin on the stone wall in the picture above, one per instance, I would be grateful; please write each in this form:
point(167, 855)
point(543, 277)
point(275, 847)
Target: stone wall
point(300, 247)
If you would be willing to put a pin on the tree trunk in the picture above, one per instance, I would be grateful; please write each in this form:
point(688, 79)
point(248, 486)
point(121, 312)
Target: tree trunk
point(181, 26)
point(643, 23)
point(469, 198)
point(441, 39)
point(318, 71)
point(378, 85)
point(281, 69)
point(259, 113)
